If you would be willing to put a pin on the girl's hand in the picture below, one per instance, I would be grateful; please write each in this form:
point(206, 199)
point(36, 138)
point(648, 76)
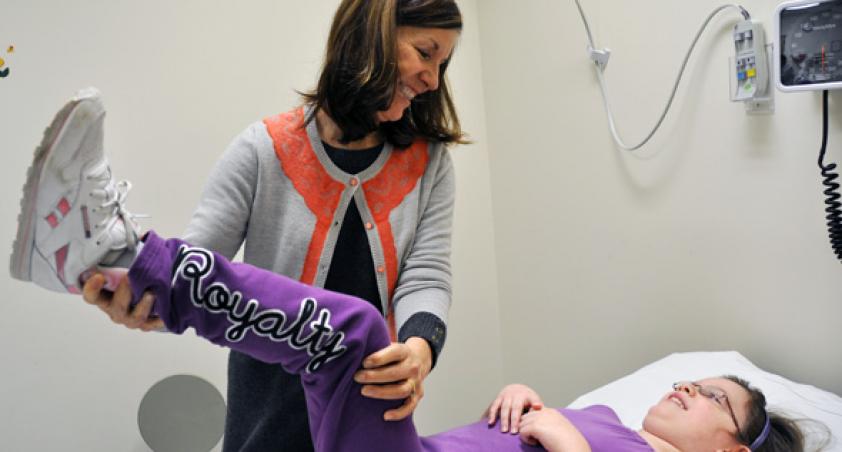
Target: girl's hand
point(117, 304)
point(553, 431)
point(510, 404)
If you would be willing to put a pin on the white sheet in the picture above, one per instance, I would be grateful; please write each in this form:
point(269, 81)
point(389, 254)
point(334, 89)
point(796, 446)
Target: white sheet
point(632, 395)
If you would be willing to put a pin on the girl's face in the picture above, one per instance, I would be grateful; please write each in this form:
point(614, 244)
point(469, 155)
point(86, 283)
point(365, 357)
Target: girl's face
point(421, 52)
point(691, 421)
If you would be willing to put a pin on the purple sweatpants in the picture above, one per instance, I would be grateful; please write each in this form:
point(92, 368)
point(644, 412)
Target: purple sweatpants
point(323, 336)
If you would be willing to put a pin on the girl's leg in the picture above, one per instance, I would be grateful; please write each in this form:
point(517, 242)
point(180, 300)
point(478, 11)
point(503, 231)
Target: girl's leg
point(321, 335)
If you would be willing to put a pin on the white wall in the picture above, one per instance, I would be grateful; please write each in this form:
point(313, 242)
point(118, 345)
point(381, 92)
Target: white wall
point(713, 239)
point(471, 369)
point(180, 79)
point(597, 261)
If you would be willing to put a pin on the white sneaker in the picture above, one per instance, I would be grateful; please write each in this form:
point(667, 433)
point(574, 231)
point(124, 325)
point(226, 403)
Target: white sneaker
point(72, 215)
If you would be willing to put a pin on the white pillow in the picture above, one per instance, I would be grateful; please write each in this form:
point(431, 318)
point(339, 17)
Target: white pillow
point(632, 395)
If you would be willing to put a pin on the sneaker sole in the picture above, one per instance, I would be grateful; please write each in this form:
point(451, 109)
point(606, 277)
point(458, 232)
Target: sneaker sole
point(20, 262)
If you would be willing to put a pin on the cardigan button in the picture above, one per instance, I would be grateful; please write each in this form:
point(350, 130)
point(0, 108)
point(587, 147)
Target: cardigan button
point(381, 269)
point(369, 226)
point(354, 182)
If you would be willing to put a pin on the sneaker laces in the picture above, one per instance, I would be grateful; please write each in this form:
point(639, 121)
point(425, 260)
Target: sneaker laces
point(114, 196)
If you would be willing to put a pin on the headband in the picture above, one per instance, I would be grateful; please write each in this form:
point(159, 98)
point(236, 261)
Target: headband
point(763, 434)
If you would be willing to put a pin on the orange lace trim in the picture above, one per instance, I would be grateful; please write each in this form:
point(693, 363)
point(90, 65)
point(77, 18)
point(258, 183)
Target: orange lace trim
point(386, 191)
point(321, 192)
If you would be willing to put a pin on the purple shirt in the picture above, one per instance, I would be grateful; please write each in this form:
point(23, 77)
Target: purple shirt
point(599, 425)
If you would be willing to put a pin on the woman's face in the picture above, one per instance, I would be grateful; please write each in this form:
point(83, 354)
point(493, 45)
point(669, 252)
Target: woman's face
point(692, 422)
point(421, 52)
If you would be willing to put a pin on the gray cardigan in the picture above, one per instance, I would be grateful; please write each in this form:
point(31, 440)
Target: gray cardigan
point(276, 189)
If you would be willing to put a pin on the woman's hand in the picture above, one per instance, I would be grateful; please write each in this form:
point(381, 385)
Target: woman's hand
point(397, 372)
point(510, 404)
point(552, 430)
point(117, 304)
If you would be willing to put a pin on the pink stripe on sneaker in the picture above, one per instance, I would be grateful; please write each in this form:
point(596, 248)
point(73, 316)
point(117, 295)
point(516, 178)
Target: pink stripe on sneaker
point(63, 206)
point(51, 218)
point(61, 258)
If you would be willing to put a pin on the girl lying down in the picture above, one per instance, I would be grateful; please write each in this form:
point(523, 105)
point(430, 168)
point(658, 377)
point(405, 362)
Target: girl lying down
point(73, 220)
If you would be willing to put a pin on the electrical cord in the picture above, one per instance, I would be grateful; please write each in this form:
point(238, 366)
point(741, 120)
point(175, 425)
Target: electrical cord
point(600, 58)
point(833, 206)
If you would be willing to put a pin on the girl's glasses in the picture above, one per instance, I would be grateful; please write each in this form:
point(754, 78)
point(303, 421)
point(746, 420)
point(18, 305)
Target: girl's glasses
point(715, 394)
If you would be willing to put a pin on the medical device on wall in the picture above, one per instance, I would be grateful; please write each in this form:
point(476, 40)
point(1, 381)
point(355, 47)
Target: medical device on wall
point(807, 55)
point(808, 44)
point(808, 37)
point(751, 68)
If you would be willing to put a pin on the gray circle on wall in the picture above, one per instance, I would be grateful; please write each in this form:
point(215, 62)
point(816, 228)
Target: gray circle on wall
point(181, 413)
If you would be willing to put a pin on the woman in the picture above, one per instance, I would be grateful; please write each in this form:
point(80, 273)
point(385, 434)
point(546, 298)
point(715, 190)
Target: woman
point(359, 200)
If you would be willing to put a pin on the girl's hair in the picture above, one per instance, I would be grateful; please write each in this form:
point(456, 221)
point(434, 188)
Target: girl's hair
point(360, 72)
point(785, 435)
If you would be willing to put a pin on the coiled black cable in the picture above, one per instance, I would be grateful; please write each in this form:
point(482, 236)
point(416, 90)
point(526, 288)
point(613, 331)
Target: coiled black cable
point(833, 206)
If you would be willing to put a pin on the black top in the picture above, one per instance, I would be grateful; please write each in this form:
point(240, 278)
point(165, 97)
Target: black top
point(352, 267)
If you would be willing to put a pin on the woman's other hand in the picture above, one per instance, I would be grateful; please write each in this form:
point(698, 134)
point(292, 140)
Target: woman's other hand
point(510, 404)
point(117, 304)
point(397, 372)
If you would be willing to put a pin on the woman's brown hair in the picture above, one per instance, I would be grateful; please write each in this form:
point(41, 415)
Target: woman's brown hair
point(785, 434)
point(360, 72)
